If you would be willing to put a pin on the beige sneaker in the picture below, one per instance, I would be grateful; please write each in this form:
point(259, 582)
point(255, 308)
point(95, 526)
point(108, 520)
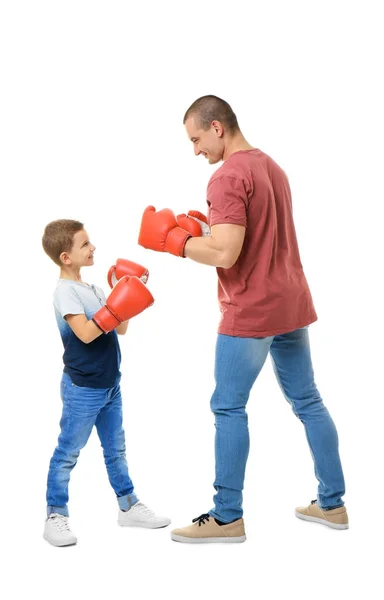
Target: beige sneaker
point(336, 518)
point(205, 530)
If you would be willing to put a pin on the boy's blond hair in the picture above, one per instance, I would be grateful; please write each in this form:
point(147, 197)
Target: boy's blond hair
point(58, 237)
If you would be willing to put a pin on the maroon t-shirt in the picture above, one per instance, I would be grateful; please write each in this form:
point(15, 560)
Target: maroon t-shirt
point(265, 292)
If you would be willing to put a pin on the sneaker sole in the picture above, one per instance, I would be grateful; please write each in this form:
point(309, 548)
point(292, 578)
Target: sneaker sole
point(211, 540)
point(321, 521)
point(144, 525)
point(58, 544)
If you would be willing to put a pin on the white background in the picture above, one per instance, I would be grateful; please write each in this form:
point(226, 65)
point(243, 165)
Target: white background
point(92, 101)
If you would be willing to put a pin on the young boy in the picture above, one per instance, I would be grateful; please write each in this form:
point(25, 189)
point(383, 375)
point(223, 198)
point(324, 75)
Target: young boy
point(90, 385)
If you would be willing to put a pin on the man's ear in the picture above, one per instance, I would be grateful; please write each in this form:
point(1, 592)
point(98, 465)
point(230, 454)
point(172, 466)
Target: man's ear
point(219, 129)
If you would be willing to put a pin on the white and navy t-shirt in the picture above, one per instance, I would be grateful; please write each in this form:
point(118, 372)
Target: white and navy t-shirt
point(96, 364)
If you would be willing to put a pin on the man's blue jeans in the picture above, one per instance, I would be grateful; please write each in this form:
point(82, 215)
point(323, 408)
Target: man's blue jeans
point(238, 363)
point(83, 408)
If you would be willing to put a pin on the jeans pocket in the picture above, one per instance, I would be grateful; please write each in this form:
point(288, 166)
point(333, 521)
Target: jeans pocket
point(64, 386)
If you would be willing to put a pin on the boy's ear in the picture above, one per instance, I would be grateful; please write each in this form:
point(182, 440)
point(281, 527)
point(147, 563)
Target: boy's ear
point(64, 258)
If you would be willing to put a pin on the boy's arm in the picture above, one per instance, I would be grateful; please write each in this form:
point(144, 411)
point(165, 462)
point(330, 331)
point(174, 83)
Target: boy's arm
point(85, 330)
point(122, 328)
point(69, 305)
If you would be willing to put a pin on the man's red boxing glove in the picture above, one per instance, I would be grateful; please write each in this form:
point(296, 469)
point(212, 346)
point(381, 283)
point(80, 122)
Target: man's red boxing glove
point(126, 267)
point(128, 298)
point(195, 223)
point(159, 231)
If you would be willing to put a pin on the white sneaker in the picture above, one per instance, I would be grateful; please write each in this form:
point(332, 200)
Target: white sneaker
point(140, 515)
point(57, 531)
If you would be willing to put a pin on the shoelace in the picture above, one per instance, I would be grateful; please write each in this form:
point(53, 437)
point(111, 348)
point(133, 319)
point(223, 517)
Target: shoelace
point(201, 520)
point(140, 507)
point(60, 522)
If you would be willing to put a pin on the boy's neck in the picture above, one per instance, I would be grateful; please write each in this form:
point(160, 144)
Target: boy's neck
point(71, 274)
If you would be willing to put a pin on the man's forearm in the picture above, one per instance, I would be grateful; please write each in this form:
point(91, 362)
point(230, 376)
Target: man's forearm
point(204, 250)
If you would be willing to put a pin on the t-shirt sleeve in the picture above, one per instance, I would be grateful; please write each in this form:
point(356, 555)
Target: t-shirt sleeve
point(227, 201)
point(67, 302)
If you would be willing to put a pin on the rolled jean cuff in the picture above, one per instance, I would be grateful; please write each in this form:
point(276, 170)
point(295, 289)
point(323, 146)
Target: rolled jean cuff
point(126, 502)
point(331, 507)
point(60, 510)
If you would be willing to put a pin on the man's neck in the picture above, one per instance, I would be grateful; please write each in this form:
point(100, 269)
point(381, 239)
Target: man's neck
point(235, 144)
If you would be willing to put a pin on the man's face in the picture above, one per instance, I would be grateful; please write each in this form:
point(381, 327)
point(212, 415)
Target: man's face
point(208, 142)
point(81, 254)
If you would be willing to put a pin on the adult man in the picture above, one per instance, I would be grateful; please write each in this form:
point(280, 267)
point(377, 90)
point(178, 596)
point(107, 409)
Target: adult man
point(266, 307)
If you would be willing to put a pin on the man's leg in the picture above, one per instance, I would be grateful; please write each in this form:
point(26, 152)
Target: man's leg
point(292, 364)
point(237, 365)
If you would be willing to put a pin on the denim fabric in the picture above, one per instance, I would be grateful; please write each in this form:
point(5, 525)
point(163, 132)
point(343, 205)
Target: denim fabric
point(82, 409)
point(237, 365)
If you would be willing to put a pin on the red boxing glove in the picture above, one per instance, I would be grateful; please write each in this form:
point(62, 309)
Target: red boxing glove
point(128, 298)
point(195, 223)
point(159, 231)
point(126, 267)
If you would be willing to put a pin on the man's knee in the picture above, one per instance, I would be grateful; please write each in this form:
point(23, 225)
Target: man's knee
point(222, 408)
point(305, 405)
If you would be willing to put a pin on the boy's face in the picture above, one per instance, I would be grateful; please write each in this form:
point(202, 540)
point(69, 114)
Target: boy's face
point(82, 251)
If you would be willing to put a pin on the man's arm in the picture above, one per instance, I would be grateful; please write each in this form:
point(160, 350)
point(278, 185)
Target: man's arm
point(221, 249)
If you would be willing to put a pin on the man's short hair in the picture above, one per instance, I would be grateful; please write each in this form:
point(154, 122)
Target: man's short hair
point(58, 237)
point(211, 108)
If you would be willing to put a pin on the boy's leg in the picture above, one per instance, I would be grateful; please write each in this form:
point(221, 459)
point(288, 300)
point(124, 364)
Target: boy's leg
point(292, 364)
point(109, 425)
point(80, 409)
point(237, 365)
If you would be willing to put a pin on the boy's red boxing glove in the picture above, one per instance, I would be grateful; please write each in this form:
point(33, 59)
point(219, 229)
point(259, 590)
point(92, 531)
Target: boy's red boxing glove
point(128, 298)
point(126, 267)
point(160, 231)
point(195, 223)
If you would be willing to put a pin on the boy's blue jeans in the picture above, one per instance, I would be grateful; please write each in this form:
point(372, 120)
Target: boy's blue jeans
point(83, 408)
point(238, 363)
